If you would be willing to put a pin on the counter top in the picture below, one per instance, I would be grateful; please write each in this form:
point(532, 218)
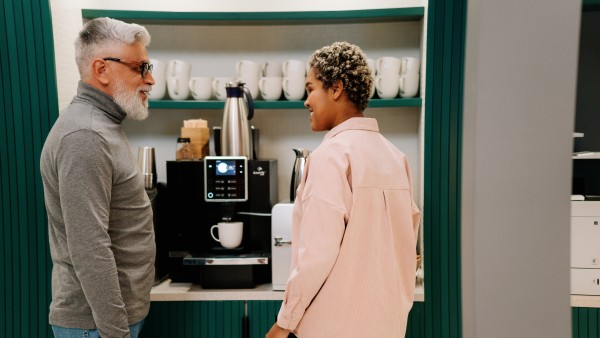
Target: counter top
point(585, 301)
point(169, 291)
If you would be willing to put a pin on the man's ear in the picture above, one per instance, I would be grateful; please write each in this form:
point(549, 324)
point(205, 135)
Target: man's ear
point(100, 72)
point(337, 88)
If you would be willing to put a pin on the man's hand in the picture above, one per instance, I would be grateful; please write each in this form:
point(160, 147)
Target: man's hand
point(277, 332)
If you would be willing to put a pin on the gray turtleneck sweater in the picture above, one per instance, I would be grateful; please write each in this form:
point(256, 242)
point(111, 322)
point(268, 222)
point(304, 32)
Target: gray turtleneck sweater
point(99, 219)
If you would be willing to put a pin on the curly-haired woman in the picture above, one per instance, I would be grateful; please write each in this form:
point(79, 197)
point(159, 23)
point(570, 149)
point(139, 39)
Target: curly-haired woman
point(354, 228)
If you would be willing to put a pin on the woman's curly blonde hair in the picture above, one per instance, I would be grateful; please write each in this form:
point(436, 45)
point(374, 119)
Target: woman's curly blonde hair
point(345, 62)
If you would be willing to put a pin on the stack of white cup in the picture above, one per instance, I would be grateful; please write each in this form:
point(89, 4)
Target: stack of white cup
point(159, 72)
point(388, 76)
point(409, 77)
point(178, 79)
point(397, 76)
point(270, 82)
point(294, 78)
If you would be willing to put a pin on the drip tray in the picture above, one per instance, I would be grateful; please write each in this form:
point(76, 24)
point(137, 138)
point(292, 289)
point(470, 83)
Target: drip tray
point(231, 271)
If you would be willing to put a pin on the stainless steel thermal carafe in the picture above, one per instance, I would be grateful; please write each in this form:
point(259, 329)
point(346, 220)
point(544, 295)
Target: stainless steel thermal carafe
point(298, 171)
point(236, 137)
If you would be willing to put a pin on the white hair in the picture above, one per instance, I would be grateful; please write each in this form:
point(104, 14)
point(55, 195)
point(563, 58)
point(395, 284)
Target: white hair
point(101, 33)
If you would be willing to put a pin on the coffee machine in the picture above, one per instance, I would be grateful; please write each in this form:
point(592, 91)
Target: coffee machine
point(232, 186)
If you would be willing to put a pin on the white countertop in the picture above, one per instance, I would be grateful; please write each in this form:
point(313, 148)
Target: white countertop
point(585, 301)
point(169, 291)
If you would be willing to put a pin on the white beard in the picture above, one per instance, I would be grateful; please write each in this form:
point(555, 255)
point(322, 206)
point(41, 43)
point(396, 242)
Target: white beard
point(130, 102)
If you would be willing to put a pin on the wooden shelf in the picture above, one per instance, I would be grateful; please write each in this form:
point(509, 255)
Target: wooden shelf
point(281, 104)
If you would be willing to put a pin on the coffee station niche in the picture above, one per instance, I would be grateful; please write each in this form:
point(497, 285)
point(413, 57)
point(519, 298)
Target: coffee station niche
point(278, 125)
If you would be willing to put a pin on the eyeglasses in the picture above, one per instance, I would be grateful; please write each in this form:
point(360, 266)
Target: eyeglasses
point(143, 67)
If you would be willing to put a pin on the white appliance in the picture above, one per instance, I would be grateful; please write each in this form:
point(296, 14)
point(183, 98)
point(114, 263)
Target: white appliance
point(585, 247)
point(281, 243)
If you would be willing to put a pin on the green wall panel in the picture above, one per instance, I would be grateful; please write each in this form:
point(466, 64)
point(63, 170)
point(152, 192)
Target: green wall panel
point(443, 130)
point(585, 322)
point(28, 101)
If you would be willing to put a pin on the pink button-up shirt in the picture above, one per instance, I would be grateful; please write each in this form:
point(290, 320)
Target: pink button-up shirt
point(354, 235)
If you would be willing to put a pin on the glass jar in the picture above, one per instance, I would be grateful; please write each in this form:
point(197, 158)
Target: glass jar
point(184, 150)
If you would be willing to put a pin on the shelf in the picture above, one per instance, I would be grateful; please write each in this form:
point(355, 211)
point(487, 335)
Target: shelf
point(372, 15)
point(281, 104)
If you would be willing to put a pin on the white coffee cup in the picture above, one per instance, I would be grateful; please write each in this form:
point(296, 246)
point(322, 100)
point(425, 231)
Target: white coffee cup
point(294, 87)
point(387, 85)
point(230, 234)
point(218, 87)
point(201, 87)
point(178, 88)
point(270, 87)
point(408, 84)
point(271, 69)
point(409, 65)
point(251, 83)
point(159, 72)
point(178, 78)
point(247, 69)
point(388, 65)
point(372, 67)
point(293, 68)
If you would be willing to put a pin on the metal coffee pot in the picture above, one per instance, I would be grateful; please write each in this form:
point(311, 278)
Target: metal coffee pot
point(236, 137)
point(298, 171)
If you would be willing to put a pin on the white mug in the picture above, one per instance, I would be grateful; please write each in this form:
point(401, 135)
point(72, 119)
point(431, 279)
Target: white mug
point(270, 87)
point(178, 88)
point(230, 234)
point(218, 87)
point(387, 65)
point(294, 87)
point(271, 69)
point(387, 85)
point(409, 65)
point(159, 72)
point(248, 69)
point(178, 68)
point(251, 83)
point(409, 84)
point(178, 78)
point(201, 88)
point(293, 68)
point(371, 64)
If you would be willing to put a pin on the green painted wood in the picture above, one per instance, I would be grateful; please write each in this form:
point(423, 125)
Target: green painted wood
point(281, 104)
point(443, 128)
point(194, 320)
point(590, 5)
point(585, 322)
point(29, 106)
point(409, 13)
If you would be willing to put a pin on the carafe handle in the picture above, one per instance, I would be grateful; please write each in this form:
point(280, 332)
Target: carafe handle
point(248, 96)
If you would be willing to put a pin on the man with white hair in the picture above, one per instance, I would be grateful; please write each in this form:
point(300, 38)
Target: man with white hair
point(99, 215)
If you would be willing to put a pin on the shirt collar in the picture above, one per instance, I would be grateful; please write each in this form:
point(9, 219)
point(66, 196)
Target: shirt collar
point(355, 123)
point(101, 100)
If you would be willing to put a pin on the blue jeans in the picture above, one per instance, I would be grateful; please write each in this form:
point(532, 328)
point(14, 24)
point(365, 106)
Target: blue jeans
point(64, 332)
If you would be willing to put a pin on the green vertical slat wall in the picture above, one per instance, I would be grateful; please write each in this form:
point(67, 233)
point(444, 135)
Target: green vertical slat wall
point(28, 100)
point(585, 322)
point(443, 130)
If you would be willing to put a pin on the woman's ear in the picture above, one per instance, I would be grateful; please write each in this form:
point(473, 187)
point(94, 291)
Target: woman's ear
point(337, 88)
point(100, 72)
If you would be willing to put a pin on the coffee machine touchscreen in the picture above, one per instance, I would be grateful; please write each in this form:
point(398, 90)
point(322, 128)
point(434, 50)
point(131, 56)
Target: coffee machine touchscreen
point(226, 179)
